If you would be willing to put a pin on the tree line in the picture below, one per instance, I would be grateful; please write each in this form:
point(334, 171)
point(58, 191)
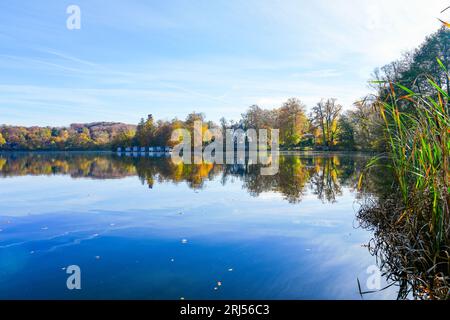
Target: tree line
point(326, 127)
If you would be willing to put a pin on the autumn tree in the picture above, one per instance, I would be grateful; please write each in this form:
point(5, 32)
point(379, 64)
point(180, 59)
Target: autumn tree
point(258, 118)
point(325, 116)
point(2, 140)
point(81, 139)
point(292, 122)
point(189, 124)
point(368, 125)
point(124, 138)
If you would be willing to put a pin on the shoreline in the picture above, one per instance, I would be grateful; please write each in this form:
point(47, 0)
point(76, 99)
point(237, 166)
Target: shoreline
point(282, 152)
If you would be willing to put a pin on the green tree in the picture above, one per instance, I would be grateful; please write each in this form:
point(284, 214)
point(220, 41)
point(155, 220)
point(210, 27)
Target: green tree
point(415, 68)
point(346, 133)
point(163, 133)
point(145, 132)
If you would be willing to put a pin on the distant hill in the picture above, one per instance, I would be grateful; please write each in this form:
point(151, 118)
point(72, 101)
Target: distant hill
point(78, 136)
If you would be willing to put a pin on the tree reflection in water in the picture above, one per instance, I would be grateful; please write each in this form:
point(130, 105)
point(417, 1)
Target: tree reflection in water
point(325, 176)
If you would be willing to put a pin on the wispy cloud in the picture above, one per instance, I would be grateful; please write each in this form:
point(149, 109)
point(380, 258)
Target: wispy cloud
point(134, 58)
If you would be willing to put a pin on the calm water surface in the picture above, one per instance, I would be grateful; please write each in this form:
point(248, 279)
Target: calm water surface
point(144, 228)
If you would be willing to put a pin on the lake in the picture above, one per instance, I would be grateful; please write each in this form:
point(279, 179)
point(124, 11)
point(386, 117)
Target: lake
point(146, 228)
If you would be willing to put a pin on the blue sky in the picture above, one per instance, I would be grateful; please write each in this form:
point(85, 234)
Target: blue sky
point(168, 58)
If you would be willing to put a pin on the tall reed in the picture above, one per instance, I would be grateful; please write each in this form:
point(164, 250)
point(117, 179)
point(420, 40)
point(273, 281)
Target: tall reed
point(417, 128)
